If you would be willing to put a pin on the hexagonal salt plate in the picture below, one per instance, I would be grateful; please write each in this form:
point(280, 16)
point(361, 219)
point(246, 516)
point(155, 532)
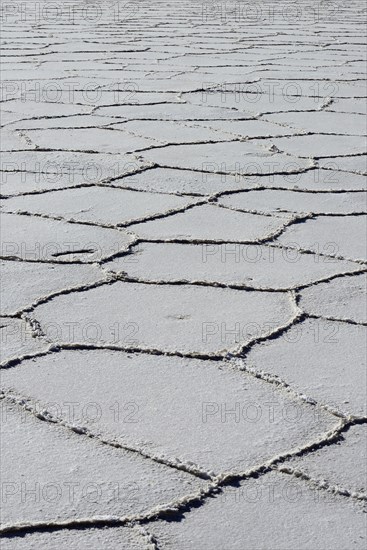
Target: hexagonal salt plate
point(99, 205)
point(176, 319)
point(253, 266)
point(275, 201)
point(202, 413)
point(242, 158)
point(341, 236)
point(214, 224)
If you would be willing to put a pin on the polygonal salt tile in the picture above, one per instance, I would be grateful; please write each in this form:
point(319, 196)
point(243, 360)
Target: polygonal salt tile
point(246, 128)
point(170, 132)
point(15, 183)
point(254, 266)
point(171, 111)
point(92, 167)
point(184, 318)
point(335, 236)
point(24, 283)
point(131, 94)
point(41, 239)
point(200, 412)
point(253, 98)
point(169, 180)
point(346, 105)
point(56, 474)
point(342, 298)
point(241, 158)
point(310, 180)
point(320, 146)
point(355, 164)
point(323, 122)
point(274, 201)
point(88, 139)
point(43, 109)
point(274, 511)
point(68, 122)
point(99, 205)
point(210, 222)
point(324, 360)
point(342, 465)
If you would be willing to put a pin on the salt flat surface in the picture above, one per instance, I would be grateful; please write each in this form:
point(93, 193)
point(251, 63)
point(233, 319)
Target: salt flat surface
point(183, 259)
point(264, 502)
point(124, 538)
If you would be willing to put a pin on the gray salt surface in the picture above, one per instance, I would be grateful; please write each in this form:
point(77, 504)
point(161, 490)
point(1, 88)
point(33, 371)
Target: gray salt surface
point(251, 266)
point(211, 223)
point(69, 474)
point(183, 258)
point(41, 239)
point(185, 320)
point(342, 466)
point(323, 359)
point(123, 538)
point(225, 420)
point(271, 512)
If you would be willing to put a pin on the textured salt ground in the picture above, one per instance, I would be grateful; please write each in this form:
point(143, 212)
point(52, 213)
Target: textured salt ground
point(94, 167)
point(253, 266)
point(42, 279)
point(250, 156)
point(171, 180)
point(123, 538)
point(41, 239)
point(184, 318)
point(347, 105)
point(163, 132)
point(85, 139)
point(342, 467)
point(69, 122)
point(17, 339)
point(342, 299)
point(320, 358)
point(225, 420)
point(286, 99)
point(251, 511)
point(321, 146)
point(336, 236)
point(209, 222)
point(258, 103)
point(51, 458)
point(15, 183)
point(215, 130)
point(354, 164)
point(168, 112)
point(34, 108)
point(101, 205)
point(13, 141)
point(273, 201)
point(330, 123)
